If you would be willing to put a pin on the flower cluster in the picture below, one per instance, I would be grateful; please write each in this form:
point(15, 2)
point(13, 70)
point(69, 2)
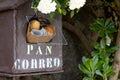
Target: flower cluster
point(48, 6)
point(76, 4)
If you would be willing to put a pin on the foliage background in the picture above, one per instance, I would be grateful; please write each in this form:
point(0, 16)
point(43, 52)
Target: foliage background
point(80, 38)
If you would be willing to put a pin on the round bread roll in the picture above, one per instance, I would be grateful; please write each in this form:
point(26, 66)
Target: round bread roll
point(50, 30)
point(34, 24)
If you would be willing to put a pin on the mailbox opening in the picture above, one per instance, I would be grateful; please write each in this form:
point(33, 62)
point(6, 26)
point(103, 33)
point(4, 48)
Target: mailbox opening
point(57, 31)
point(40, 30)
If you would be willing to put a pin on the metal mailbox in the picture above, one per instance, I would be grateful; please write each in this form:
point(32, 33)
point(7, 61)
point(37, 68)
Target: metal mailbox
point(20, 58)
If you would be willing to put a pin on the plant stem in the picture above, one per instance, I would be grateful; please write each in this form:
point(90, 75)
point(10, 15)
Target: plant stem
point(92, 75)
point(104, 78)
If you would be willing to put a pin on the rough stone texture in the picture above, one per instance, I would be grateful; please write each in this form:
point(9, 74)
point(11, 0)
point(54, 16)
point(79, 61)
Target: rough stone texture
point(72, 54)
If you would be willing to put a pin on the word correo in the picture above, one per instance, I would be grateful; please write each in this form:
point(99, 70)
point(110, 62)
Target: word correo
point(36, 63)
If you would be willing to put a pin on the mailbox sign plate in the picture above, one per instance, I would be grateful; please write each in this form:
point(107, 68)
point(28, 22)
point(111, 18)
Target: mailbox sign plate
point(38, 58)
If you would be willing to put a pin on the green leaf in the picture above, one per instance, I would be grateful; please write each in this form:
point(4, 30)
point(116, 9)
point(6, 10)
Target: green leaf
point(86, 62)
point(60, 11)
point(98, 72)
point(107, 22)
point(100, 22)
point(35, 3)
point(111, 30)
point(62, 2)
point(58, 5)
point(83, 69)
point(98, 65)
point(106, 60)
point(95, 27)
point(52, 14)
point(101, 33)
point(86, 78)
point(72, 14)
point(105, 68)
point(103, 43)
point(96, 45)
point(111, 24)
point(111, 74)
point(64, 12)
point(102, 27)
point(77, 10)
point(95, 59)
point(84, 59)
point(109, 71)
point(112, 49)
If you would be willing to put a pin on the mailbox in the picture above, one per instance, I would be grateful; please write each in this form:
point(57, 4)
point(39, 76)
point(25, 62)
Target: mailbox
point(19, 57)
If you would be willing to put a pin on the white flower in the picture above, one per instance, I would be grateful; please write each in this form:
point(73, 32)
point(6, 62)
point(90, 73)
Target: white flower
point(46, 6)
point(76, 4)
